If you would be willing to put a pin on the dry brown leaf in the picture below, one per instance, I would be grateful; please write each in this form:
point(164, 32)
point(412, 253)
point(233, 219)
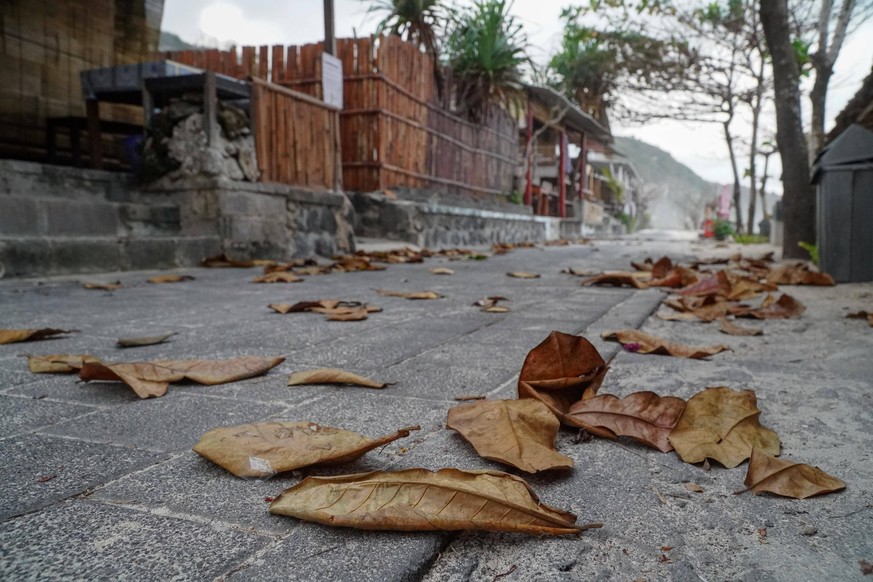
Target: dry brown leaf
point(157, 279)
point(675, 316)
point(781, 477)
point(332, 376)
point(868, 315)
point(490, 304)
point(579, 272)
point(11, 336)
point(351, 263)
point(223, 260)
point(717, 284)
point(634, 340)
point(346, 314)
point(278, 277)
point(786, 307)
point(520, 433)
point(424, 500)
point(103, 286)
point(730, 328)
point(617, 280)
point(298, 307)
point(496, 309)
point(523, 275)
point(264, 449)
point(441, 271)
point(334, 309)
point(135, 342)
point(799, 274)
point(642, 416)
point(561, 370)
point(409, 294)
point(723, 425)
point(149, 379)
point(58, 363)
point(468, 397)
point(693, 487)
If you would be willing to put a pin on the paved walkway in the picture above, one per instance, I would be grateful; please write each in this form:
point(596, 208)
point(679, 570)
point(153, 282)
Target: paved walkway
point(98, 484)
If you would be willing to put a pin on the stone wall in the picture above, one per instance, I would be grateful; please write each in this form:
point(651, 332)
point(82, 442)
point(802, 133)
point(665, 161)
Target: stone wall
point(437, 225)
point(58, 220)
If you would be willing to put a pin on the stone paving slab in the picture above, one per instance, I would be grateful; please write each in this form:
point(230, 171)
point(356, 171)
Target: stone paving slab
point(812, 377)
point(92, 541)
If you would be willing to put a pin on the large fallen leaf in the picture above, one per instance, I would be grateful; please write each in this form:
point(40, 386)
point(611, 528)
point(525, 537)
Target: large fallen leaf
point(723, 425)
point(618, 280)
point(157, 279)
point(149, 379)
point(11, 336)
point(332, 376)
point(267, 448)
point(490, 304)
point(781, 477)
point(520, 433)
point(798, 274)
point(136, 342)
point(423, 500)
point(786, 307)
point(278, 277)
point(642, 416)
point(441, 271)
point(523, 275)
point(731, 328)
point(560, 371)
point(409, 294)
point(634, 340)
point(58, 363)
point(717, 284)
point(334, 309)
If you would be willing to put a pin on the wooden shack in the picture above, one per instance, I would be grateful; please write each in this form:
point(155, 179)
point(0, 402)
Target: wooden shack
point(45, 45)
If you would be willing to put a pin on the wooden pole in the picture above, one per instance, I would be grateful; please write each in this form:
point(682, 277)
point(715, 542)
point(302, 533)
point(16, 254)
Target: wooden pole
point(92, 109)
point(562, 185)
point(528, 185)
point(329, 35)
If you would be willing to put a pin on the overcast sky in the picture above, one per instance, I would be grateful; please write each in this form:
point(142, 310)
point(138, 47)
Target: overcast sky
point(257, 22)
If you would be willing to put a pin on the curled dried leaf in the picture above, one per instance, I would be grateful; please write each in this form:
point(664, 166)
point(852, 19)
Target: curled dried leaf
point(58, 363)
point(618, 280)
point(730, 328)
point(441, 271)
point(723, 425)
point(409, 294)
point(641, 342)
point(579, 272)
point(148, 379)
point(11, 336)
point(103, 286)
point(332, 376)
point(781, 477)
point(135, 342)
point(158, 279)
point(423, 500)
point(560, 371)
point(868, 315)
point(264, 449)
point(523, 275)
point(520, 433)
point(278, 277)
point(799, 274)
point(786, 307)
point(642, 416)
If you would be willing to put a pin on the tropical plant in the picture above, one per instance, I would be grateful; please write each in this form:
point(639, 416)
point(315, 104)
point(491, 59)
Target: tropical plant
point(485, 53)
point(417, 21)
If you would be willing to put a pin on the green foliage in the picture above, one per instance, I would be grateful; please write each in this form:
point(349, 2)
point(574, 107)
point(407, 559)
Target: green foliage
point(751, 239)
point(516, 197)
point(723, 229)
point(810, 248)
point(627, 220)
point(418, 21)
point(485, 52)
point(801, 53)
point(614, 184)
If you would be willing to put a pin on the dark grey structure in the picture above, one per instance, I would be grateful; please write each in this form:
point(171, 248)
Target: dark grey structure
point(844, 174)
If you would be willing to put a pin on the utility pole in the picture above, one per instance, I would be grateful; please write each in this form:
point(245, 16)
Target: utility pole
point(329, 35)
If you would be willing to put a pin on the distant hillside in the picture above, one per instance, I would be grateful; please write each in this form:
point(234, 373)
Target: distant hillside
point(676, 194)
point(170, 41)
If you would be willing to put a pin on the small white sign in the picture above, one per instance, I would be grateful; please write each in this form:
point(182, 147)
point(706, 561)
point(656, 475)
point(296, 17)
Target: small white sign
point(332, 80)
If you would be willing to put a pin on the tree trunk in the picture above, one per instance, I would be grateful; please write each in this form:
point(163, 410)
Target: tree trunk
point(798, 197)
point(730, 144)
point(818, 96)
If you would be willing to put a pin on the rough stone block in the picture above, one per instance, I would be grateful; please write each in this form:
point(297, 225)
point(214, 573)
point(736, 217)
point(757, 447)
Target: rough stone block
point(88, 255)
point(148, 253)
point(40, 470)
point(191, 250)
point(80, 218)
point(18, 217)
point(25, 256)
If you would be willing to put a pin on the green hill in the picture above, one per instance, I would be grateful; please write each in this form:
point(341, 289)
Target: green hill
point(170, 41)
point(675, 194)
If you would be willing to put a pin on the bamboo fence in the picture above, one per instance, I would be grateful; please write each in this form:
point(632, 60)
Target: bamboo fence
point(393, 133)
